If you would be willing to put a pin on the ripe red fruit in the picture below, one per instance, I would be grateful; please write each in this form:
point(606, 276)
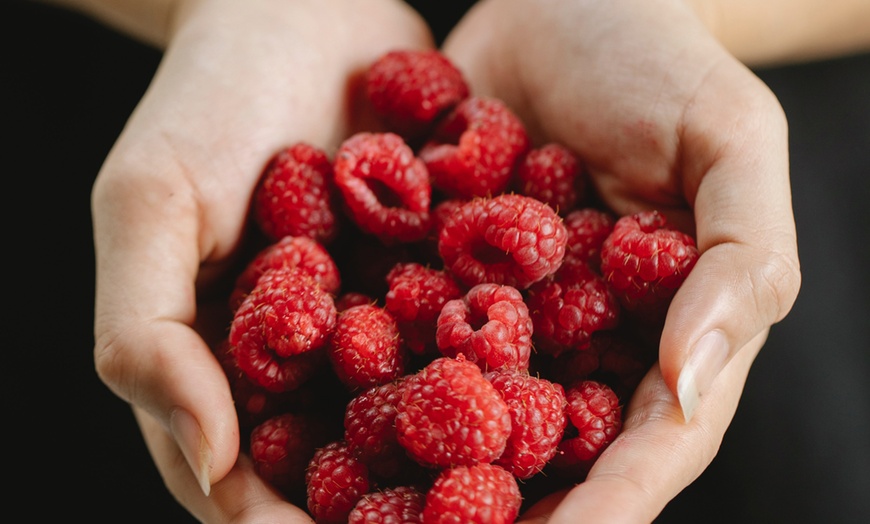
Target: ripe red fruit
point(365, 348)
point(399, 505)
point(554, 175)
point(336, 480)
point(480, 494)
point(282, 446)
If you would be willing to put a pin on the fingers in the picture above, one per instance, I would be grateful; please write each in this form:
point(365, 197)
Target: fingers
point(240, 497)
point(657, 455)
point(748, 275)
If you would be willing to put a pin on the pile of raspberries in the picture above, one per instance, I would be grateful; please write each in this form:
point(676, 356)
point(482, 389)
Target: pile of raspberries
point(438, 322)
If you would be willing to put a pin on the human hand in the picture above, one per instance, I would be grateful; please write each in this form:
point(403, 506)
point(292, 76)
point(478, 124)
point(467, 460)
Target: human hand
point(238, 81)
point(663, 118)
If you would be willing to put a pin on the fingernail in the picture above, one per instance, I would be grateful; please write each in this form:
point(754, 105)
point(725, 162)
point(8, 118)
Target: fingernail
point(190, 439)
point(707, 359)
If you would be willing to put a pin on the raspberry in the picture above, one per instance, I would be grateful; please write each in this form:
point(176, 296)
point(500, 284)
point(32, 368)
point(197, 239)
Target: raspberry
point(352, 298)
point(450, 415)
point(490, 326)
point(473, 151)
point(595, 418)
point(480, 494)
point(282, 446)
point(336, 480)
point(508, 239)
point(537, 408)
point(399, 505)
point(415, 298)
point(365, 348)
point(587, 230)
point(385, 187)
point(296, 195)
point(292, 252)
point(552, 174)
point(569, 306)
point(286, 315)
point(370, 431)
point(645, 261)
point(411, 89)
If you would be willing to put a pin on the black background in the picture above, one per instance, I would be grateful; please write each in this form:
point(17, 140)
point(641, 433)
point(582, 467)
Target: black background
point(797, 451)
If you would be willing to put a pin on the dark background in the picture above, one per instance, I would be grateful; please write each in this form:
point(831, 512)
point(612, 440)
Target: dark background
point(797, 451)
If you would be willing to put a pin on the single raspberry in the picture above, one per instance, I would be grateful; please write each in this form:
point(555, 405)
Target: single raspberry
point(490, 325)
point(587, 229)
point(399, 505)
point(385, 187)
point(552, 174)
point(336, 480)
point(415, 298)
point(645, 261)
point(370, 429)
point(365, 348)
point(296, 195)
point(595, 420)
point(473, 151)
point(282, 446)
point(569, 306)
point(537, 408)
point(286, 315)
point(508, 239)
point(410, 89)
point(450, 415)
point(291, 252)
point(480, 494)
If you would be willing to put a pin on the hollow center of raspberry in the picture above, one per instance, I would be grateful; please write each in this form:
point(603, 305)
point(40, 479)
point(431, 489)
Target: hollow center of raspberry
point(384, 193)
point(488, 254)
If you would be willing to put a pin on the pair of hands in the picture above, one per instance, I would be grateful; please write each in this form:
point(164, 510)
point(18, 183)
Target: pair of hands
point(661, 114)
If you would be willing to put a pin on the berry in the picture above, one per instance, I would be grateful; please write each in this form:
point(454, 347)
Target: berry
point(569, 306)
point(508, 239)
point(480, 494)
point(537, 408)
point(291, 252)
point(365, 348)
point(296, 195)
point(490, 326)
point(282, 446)
point(415, 298)
point(587, 230)
point(645, 261)
point(352, 298)
point(385, 187)
point(370, 430)
point(335, 480)
point(473, 151)
point(399, 505)
point(595, 418)
point(411, 89)
point(552, 174)
point(450, 415)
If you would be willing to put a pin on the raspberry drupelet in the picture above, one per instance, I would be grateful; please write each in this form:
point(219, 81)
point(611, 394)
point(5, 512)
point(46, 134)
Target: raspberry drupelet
point(479, 494)
point(508, 239)
point(490, 325)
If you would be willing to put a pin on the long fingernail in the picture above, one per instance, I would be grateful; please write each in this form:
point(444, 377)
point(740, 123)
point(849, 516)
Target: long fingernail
point(190, 439)
point(707, 359)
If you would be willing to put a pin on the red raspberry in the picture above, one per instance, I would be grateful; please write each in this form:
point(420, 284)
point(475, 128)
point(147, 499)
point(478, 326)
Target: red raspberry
point(385, 187)
point(490, 326)
point(286, 315)
point(282, 446)
point(508, 239)
point(410, 89)
point(399, 505)
point(296, 195)
point(370, 429)
point(292, 252)
point(480, 494)
point(587, 230)
point(569, 306)
point(595, 418)
point(450, 415)
point(645, 261)
point(336, 480)
point(552, 174)
point(415, 298)
point(365, 348)
point(537, 408)
point(474, 149)
point(351, 299)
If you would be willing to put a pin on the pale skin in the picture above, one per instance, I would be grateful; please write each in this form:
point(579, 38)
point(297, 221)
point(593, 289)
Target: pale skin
point(664, 115)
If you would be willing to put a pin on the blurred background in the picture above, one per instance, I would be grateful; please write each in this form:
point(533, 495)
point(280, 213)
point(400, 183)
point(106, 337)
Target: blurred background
point(797, 451)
